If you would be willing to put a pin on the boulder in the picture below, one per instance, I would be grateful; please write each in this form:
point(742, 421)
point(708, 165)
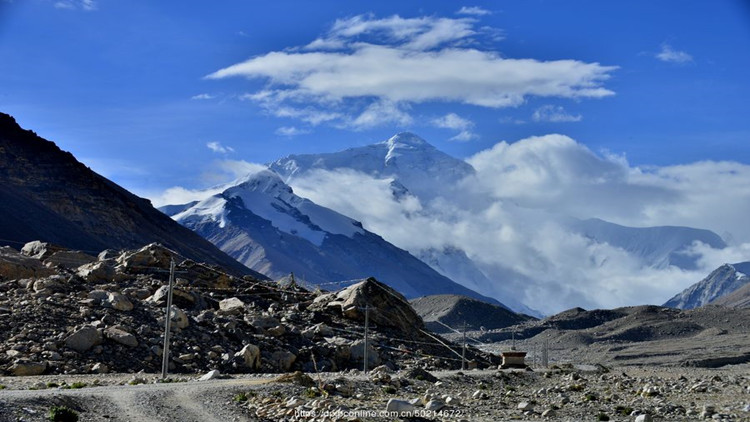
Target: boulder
point(84, 339)
point(250, 355)
point(388, 307)
point(69, 259)
point(149, 257)
point(283, 360)
point(232, 306)
point(97, 272)
point(121, 336)
point(211, 375)
point(22, 368)
point(358, 353)
point(180, 318)
point(179, 297)
point(403, 407)
point(119, 301)
point(40, 250)
point(14, 265)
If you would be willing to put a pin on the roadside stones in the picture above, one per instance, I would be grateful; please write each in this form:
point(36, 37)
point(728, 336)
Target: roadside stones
point(210, 375)
point(283, 359)
point(22, 368)
point(250, 355)
point(84, 339)
point(643, 418)
point(232, 305)
point(400, 406)
point(525, 406)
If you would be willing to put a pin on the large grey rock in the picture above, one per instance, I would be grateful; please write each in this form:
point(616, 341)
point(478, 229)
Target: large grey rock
point(97, 272)
point(283, 359)
point(250, 355)
point(149, 257)
point(22, 368)
point(358, 353)
point(403, 407)
point(69, 259)
point(40, 250)
point(14, 265)
point(84, 339)
point(232, 305)
point(121, 336)
point(119, 301)
point(180, 318)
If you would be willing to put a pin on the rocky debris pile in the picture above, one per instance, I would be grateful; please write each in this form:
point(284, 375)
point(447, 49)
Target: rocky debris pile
point(68, 312)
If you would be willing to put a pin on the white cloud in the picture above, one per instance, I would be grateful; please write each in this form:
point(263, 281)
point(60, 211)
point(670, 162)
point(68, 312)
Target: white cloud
point(290, 131)
point(221, 174)
point(88, 5)
point(367, 70)
point(217, 147)
point(202, 97)
point(551, 113)
point(511, 218)
point(453, 121)
point(670, 55)
point(381, 113)
point(473, 10)
point(456, 122)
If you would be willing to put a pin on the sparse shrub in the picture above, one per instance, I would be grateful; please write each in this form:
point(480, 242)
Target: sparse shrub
point(590, 397)
point(62, 414)
point(2, 387)
point(52, 385)
point(389, 389)
point(576, 387)
point(75, 385)
point(624, 410)
point(241, 397)
point(311, 392)
point(420, 377)
point(277, 394)
point(602, 417)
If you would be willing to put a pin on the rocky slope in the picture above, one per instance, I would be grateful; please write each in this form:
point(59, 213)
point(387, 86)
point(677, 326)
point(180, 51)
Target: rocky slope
point(264, 225)
point(439, 311)
point(739, 298)
point(45, 193)
point(721, 282)
point(62, 311)
point(709, 336)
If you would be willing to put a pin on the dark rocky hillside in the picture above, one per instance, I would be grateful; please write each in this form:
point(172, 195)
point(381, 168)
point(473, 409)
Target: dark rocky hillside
point(437, 311)
point(46, 194)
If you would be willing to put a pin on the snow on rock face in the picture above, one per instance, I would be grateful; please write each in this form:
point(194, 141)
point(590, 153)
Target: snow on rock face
point(266, 195)
point(721, 282)
point(405, 157)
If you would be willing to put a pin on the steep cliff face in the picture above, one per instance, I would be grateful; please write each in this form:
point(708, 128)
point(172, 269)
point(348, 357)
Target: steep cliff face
point(46, 194)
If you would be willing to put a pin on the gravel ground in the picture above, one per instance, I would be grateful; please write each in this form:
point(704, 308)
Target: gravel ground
point(568, 394)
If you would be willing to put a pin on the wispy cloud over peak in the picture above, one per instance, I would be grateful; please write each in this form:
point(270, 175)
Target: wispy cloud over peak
point(474, 11)
point(219, 148)
point(456, 122)
point(670, 55)
point(290, 131)
point(555, 114)
point(87, 5)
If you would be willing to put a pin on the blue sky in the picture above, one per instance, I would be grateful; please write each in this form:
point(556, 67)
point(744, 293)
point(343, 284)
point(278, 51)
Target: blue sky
point(153, 93)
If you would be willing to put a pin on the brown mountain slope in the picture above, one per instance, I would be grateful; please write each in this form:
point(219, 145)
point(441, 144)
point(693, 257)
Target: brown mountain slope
point(46, 194)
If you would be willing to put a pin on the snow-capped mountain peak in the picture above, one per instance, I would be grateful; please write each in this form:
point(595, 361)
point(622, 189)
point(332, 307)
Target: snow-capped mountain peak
point(721, 282)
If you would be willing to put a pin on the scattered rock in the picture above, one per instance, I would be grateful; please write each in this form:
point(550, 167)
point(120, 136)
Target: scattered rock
point(84, 339)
